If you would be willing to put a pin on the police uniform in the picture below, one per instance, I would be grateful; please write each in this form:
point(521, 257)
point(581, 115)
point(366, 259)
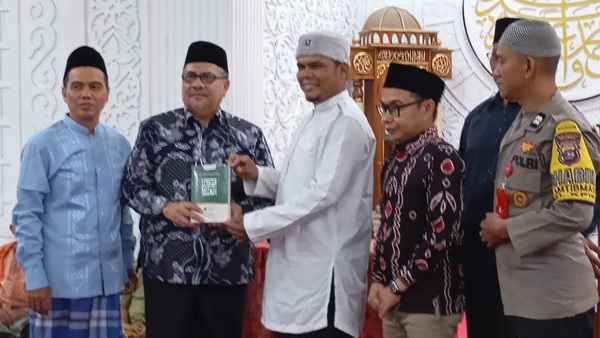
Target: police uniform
point(543, 270)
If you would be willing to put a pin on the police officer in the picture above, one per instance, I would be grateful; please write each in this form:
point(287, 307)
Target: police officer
point(545, 190)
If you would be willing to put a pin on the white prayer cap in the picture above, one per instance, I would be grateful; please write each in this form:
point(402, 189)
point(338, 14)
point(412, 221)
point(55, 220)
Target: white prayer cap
point(324, 43)
point(531, 37)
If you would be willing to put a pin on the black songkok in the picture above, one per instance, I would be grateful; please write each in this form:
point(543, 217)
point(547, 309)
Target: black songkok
point(85, 56)
point(415, 80)
point(202, 51)
point(501, 26)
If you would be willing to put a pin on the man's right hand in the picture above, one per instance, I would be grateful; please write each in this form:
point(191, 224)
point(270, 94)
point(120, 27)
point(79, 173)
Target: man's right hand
point(40, 300)
point(373, 298)
point(5, 318)
point(243, 166)
point(181, 212)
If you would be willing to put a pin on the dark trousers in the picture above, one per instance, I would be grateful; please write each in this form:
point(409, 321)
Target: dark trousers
point(578, 326)
point(329, 332)
point(485, 317)
point(194, 311)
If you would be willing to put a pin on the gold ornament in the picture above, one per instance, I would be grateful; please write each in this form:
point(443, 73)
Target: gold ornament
point(441, 64)
point(363, 63)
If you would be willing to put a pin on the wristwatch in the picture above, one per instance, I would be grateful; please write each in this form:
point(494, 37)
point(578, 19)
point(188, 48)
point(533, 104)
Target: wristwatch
point(394, 288)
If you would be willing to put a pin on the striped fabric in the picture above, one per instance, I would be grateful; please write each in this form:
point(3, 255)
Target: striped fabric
point(95, 317)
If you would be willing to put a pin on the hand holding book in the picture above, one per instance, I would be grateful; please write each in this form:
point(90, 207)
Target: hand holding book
point(183, 213)
point(235, 225)
point(243, 166)
point(211, 191)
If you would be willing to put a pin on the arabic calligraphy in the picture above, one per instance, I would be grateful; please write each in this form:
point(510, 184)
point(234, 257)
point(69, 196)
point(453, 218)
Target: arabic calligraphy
point(402, 55)
point(577, 23)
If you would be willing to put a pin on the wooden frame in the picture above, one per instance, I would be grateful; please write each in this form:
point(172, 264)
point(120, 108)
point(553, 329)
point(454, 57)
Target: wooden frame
point(370, 56)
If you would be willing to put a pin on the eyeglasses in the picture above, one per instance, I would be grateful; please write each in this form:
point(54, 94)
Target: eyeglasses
point(394, 108)
point(206, 78)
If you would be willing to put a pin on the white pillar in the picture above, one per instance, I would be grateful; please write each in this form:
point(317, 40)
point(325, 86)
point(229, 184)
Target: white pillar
point(169, 28)
point(246, 60)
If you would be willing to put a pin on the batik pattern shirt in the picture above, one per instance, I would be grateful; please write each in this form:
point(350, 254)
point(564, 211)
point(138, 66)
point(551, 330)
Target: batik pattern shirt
point(421, 233)
point(159, 170)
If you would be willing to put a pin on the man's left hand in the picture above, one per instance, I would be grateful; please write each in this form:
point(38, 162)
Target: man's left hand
point(235, 225)
point(131, 284)
point(493, 230)
point(142, 333)
point(387, 301)
point(592, 251)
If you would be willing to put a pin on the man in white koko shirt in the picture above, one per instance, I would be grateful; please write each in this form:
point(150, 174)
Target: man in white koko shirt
point(320, 226)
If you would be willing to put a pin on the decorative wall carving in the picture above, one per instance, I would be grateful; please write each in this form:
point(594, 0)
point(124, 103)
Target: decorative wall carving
point(29, 91)
point(114, 28)
point(40, 59)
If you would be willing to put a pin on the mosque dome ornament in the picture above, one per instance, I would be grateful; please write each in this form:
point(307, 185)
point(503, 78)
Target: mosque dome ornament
point(576, 23)
point(391, 17)
point(390, 35)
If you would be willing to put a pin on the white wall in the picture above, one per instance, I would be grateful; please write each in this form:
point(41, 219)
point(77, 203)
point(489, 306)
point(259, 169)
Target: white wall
point(144, 44)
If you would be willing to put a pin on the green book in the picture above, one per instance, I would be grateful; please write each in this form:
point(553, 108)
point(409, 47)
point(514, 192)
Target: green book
point(211, 190)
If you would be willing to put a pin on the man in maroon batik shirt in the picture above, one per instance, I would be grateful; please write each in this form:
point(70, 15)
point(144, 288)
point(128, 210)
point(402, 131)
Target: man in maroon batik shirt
point(417, 276)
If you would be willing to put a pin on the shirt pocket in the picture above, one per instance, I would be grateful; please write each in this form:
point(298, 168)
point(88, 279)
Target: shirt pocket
point(524, 192)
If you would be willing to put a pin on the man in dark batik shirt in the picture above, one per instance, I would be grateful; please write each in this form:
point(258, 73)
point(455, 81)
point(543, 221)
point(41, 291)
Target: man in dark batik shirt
point(195, 276)
point(417, 273)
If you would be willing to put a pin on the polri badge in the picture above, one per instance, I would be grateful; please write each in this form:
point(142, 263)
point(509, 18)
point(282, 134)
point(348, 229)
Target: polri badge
point(520, 199)
point(527, 146)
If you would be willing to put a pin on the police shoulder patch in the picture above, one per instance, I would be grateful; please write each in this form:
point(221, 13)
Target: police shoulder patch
point(567, 138)
point(572, 170)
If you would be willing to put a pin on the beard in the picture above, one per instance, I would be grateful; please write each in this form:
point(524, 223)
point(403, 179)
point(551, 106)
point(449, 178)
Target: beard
point(312, 99)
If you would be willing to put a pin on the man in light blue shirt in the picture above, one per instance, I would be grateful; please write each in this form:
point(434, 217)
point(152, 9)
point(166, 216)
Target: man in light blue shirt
point(74, 233)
